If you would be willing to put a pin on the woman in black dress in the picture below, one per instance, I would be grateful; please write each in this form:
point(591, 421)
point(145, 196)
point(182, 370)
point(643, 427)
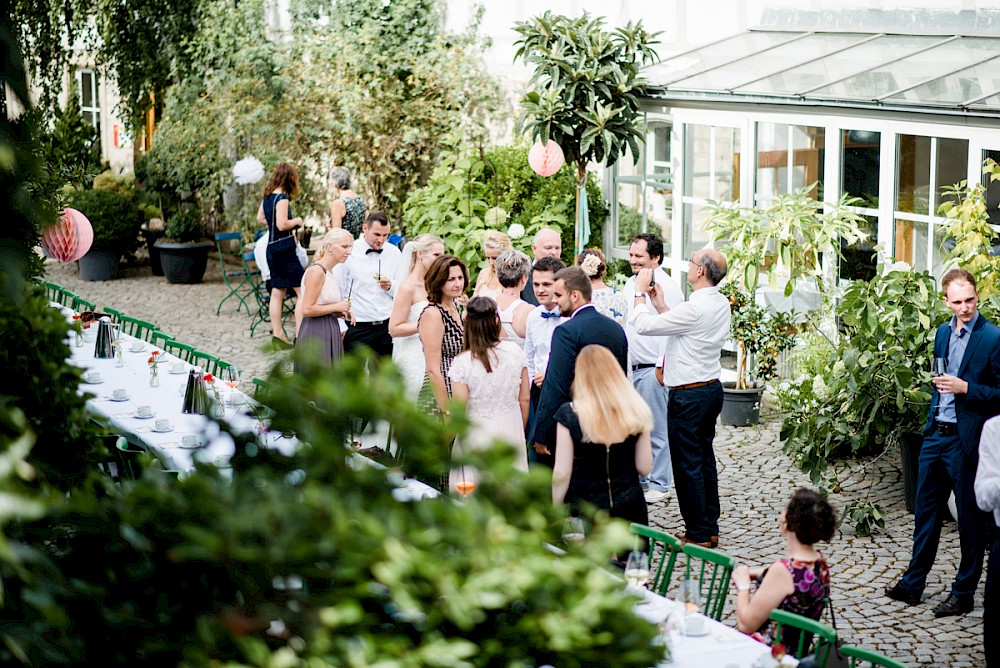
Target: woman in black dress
point(283, 262)
point(602, 440)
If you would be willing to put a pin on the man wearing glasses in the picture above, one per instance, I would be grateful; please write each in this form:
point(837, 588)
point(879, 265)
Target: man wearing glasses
point(696, 331)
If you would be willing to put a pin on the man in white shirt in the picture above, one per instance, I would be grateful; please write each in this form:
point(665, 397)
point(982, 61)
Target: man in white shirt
point(646, 353)
point(367, 280)
point(988, 498)
point(546, 243)
point(696, 331)
point(542, 322)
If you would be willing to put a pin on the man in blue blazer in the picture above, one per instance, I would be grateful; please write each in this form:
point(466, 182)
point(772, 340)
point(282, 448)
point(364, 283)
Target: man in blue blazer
point(585, 327)
point(965, 396)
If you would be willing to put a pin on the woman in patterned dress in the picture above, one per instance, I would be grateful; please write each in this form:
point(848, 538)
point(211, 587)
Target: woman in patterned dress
point(348, 210)
point(799, 582)
point(442, 335)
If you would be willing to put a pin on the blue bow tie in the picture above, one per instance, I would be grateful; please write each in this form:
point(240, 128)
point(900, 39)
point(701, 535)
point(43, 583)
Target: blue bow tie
point(551, 314)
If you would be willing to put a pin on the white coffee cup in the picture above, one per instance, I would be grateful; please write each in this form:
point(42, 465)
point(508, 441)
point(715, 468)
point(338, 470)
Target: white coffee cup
point(93, 376)
point(162, 425)
point(144, 411)
point(120, 394)
point(177, 367)
point(695, 625)
point(190, 441)
point(136, 346)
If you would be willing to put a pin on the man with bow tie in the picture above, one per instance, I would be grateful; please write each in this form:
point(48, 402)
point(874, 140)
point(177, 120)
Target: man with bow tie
point(368, 280)
point(541, 323)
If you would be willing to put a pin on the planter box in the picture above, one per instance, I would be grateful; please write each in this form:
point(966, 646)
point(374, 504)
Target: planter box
point(184, 263)
point(740, 408)
point(99, 265)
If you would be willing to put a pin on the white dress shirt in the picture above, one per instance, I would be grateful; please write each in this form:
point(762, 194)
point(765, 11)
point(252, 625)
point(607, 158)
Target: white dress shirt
point(538, 338)
point(356, 278)
point(988, 474)
point(696, 331)
point(647, 348)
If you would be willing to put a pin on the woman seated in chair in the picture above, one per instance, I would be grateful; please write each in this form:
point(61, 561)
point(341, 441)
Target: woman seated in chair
point(799, 582)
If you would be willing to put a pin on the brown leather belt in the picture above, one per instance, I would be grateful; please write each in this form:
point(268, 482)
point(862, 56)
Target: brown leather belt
point(691, 386)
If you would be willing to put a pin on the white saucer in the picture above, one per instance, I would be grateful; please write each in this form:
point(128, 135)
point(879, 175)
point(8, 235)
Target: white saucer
point(93, 382)
point(162, 431)
point(177, 373)
point(144, 417)
point(190, 447)
point(125, 399)
point(137, 350)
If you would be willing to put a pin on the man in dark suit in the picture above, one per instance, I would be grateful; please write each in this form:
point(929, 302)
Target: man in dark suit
point(546, 243)
point(585, 327)
point(965, 396)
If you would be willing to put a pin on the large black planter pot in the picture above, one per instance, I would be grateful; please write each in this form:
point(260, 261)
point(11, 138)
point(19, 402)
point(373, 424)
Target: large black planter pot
point(99, 265)
point(152, 236)
point(184, 263)
point(909, 449)
point(740, 408)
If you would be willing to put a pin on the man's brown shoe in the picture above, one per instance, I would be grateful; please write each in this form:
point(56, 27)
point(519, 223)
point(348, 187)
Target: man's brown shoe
point(684, 541)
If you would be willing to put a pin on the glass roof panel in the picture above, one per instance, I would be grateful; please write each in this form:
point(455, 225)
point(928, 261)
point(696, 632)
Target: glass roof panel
point(769, 62)
point(841, 65)
point(953, 89)
point(912, 71)
point(991, 103)
point(713, 55)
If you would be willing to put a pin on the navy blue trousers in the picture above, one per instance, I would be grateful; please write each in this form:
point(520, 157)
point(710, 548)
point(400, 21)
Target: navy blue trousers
point(691, 430)
point(943, 468)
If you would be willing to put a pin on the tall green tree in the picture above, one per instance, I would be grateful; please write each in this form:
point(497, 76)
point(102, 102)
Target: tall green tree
point(584, 91)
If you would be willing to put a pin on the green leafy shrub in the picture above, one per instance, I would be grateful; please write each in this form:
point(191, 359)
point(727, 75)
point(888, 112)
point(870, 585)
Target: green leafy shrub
point(72, 148)
point(116, 218)
point(861, 393)
point(455, 201)
point(761, 335)
point(185, 226)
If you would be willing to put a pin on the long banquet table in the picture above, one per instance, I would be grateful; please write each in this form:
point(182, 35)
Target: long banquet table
point(721, 646)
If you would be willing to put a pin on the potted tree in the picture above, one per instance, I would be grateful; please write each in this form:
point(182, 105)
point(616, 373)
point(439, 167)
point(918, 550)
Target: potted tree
point(184, 249)
point(785, 242)
point(116, 219)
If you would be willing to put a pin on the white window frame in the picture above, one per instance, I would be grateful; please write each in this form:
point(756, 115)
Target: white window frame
point(95, 108)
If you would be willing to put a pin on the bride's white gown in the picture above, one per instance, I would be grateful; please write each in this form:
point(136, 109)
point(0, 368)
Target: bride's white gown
point(408, 354)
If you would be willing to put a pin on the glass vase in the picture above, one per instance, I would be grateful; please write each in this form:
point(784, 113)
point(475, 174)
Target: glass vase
point(154, 376)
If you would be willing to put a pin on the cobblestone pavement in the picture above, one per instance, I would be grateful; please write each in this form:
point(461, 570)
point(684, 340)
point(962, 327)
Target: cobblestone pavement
point(755, 480)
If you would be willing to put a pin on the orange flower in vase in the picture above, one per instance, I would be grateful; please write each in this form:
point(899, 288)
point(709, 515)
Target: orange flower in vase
point(154, 372)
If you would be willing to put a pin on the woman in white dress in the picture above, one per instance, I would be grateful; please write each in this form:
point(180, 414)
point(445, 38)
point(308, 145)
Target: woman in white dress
point(487, 284)
point(411, 299)
point(606, 300)
point(512, 271)
point(491, 378)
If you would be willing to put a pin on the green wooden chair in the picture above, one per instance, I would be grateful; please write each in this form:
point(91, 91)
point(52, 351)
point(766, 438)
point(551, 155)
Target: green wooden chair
point(181, 351)
point(209, 363)
point(80, 305)
point(806, 630)
point(263, 297)
point(662, 549)
point(712, 569)
point(140, 329)
point(66, 298)
point(53, 292)
point(160, 339)
point(262, 390)
point(116, 315)
point(129, 466)
point(860, 656)
point(238, 282)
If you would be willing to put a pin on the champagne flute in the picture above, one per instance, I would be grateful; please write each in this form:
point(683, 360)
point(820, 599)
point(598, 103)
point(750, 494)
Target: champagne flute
point(637, 569)
point(940, 368)
point(573, 531)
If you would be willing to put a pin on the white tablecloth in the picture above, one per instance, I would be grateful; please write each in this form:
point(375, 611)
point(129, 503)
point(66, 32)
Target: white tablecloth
point(722, 647)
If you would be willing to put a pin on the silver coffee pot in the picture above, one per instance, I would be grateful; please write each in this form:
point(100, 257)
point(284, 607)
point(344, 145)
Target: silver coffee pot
point(107, 333)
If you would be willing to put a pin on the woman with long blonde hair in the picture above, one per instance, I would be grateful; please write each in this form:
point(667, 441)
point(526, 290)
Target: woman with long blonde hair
point(494, 245)
point(321, 305)
point(602, 439)
point(411, 299)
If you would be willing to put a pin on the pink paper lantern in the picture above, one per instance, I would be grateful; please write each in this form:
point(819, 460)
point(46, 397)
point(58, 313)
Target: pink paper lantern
point(70, 238)
point(546, 159)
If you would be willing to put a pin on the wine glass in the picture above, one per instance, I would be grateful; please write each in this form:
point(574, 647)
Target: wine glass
point(231, 376)
point(573, 531)
point(637, 569)
point(117, 346)
point(689, 595)
point(466, 483)
point(940, 368)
